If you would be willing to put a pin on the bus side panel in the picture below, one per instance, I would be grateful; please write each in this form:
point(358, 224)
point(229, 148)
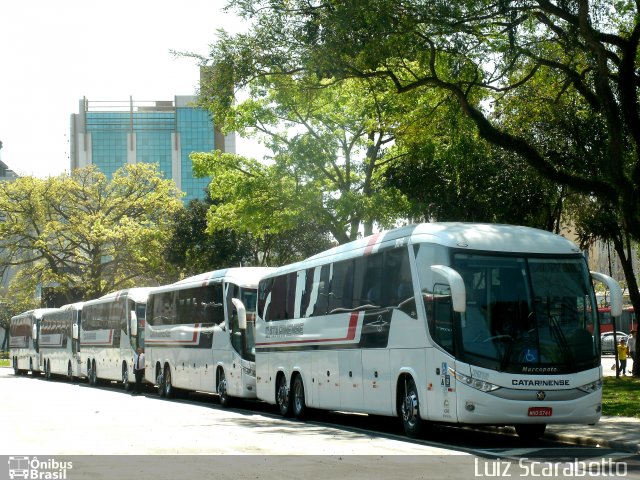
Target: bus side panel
point(412, 361)
point(376, 380)
point(264, 381)
point(351, 392)
point(326, 372)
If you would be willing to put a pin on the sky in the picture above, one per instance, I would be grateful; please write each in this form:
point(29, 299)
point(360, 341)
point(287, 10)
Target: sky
point(54, 53)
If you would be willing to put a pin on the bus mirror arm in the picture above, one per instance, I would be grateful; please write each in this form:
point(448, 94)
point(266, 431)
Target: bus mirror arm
point(615, 292)
point(456, 283)
point(133, 324)
point(242, 313)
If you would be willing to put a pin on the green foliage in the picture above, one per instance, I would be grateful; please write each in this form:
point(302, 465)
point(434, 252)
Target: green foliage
point(85, 231)
point(194, 250)
point(621, 397)
point(329, 145)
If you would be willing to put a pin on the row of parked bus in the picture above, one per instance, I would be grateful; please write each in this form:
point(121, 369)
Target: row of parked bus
point(455, 323)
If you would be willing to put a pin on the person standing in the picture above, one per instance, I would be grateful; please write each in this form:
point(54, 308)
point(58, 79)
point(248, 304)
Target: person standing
point(631, 344)
point(138, 370)
point(622, 356)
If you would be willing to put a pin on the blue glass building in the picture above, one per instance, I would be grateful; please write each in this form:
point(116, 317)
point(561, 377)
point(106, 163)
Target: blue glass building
point(111, 134)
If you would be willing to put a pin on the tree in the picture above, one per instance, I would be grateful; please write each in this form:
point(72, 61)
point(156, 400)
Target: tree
point(85, 231)
point(492, 58)
point(329, 145)
point(194, 250)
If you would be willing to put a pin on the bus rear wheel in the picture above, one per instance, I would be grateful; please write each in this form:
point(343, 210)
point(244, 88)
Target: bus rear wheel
point(69, 372)
point(16, 370)
point(410, 409)
point(530, 431)
point(282, 396)
point(47, 369)
point(299, 405)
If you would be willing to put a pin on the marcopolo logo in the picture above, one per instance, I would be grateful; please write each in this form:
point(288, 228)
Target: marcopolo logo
point(41, 469)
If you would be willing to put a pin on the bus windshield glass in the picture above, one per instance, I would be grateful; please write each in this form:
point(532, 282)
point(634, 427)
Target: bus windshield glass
point(526, 314)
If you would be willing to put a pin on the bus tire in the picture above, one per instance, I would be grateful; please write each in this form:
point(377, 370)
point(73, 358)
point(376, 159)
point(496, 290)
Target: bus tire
point(283, 398)
point(94, 374)
point(69, 372)
point(410, 409)
point(168, 387)
point(16, 370)
point(31, 367)
point(223, 394)
point(47, 369)
point(159, 380)
point(125, 377)
point(530, 431)
point(299, 405)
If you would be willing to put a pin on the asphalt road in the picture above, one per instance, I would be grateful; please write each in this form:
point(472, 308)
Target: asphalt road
point(107, 433)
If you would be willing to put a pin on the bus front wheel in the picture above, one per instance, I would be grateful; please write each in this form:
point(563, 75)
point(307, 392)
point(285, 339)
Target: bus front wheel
point(410, 409)
point(223, 394)
point(125, 377)
point(168, 387)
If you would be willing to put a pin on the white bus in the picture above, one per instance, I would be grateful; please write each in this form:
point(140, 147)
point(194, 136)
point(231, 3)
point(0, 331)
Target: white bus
point(109, 335)
point(59, 341)
point(451, 322)
point(200, 334)
point(24, 348)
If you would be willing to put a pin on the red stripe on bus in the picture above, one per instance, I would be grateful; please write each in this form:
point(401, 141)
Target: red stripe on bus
point(371, 243)
point(351, 335)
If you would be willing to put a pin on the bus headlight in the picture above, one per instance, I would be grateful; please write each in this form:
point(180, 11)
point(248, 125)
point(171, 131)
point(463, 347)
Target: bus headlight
point(591, 387)
point(474, 382)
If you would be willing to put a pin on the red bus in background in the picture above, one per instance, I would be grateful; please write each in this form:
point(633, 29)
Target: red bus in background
point(626, 323)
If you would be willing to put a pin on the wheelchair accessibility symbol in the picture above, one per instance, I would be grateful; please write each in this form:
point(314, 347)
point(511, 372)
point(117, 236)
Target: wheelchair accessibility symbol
point(530, 355)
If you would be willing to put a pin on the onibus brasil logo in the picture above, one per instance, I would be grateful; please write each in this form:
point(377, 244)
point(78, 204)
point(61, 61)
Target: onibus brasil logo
point(34, 468)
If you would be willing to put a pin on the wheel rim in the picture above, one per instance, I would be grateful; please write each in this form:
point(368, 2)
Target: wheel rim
point(222, 389)
point(283, 396)
point(167, 382)
point(298, 396)
point(410, 411)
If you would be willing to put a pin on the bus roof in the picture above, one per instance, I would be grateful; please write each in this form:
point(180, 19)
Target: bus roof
point(138, 294)
point(472, 236)
point(243, 276)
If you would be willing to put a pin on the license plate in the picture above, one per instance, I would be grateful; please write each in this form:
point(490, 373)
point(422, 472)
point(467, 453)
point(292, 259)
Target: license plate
point(540, 411)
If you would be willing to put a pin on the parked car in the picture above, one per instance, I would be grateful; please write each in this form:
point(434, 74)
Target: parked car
point(606, 341)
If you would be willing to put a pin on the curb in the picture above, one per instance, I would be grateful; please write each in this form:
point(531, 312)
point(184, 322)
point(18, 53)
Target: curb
point(626, 446)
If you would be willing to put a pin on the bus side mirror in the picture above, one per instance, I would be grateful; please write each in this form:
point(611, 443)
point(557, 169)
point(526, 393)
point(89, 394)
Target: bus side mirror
point(456, 283)
point(75, 332)
point(615, 292)
point(242, 313)
point(34, 332)
point(133, 324)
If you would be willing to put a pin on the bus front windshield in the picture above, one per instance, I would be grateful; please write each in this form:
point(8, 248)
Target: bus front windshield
point(526, 314)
